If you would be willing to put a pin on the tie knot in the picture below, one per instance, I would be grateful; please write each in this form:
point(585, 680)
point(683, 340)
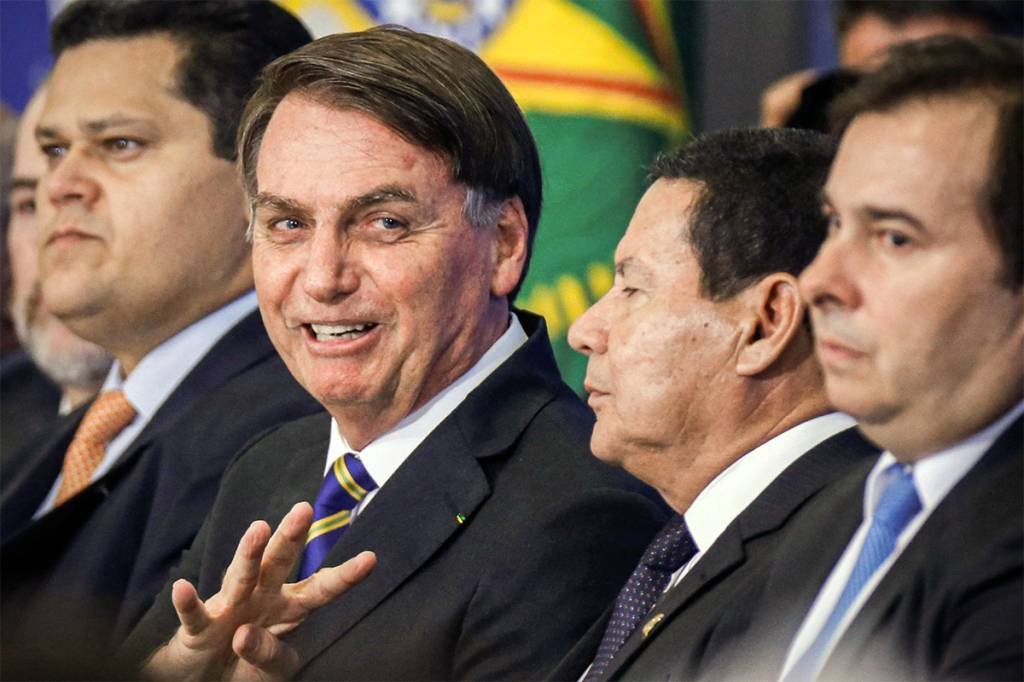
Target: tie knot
point(353, 477)
point(899, 502)
point(672, 547)
point(106, 417)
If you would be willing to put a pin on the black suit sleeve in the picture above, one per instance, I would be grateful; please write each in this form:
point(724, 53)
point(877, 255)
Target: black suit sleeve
point(161, 621)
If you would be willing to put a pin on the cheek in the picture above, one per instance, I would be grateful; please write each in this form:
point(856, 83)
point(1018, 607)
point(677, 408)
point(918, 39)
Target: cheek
point(23, 256)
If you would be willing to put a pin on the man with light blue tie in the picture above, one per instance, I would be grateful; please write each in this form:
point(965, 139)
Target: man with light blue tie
point(911, 567)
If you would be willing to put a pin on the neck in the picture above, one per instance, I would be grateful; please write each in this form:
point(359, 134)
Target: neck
point(735, 434)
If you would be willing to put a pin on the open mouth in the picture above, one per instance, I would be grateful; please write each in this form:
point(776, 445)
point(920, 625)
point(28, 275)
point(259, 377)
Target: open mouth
point(341, 332)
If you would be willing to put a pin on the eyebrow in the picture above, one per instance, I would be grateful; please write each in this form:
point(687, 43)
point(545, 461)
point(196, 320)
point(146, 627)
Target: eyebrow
point(95, 127)
point(378, 195)
point(631, 264)
point(21, 183)
point(876, 213)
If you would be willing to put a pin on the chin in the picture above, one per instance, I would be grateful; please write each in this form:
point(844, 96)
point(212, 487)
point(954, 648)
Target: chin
point(604, 449)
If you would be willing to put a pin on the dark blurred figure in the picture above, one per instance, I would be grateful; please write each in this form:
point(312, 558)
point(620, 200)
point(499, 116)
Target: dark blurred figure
point(8, 126)
point(141, 224)
point(866, 29)
point(55, 371)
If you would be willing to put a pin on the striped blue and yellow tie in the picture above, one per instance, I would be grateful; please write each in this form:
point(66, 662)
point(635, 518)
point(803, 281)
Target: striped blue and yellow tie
point(344, 486)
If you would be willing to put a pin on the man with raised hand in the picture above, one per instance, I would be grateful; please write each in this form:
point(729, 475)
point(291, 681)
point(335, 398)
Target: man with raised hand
point(142, 244)
point(396, 191)
point(702, 374)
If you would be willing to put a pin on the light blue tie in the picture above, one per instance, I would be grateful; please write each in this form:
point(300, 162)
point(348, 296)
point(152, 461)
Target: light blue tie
point(899, 504)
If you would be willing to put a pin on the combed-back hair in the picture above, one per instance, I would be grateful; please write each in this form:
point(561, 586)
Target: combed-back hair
point(224, 44)
point(431, 92)
point(938, 69)
point(758, 205)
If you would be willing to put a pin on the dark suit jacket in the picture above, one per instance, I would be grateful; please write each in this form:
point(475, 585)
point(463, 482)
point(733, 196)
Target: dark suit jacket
point(951, 605)
point(96, 562)
point(727, 578)
point(550, 535)
point(28, 404)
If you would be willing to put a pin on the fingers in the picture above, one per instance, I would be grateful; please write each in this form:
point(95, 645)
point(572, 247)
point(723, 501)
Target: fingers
point(191, 611)
point(285, 546)
point(244, 570)
point(329, 583)
point(268, 655)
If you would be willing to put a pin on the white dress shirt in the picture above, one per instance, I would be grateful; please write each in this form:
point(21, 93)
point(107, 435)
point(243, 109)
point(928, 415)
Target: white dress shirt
point(157, 375)
point(934, 476)
point(384, 455)
point(734, 489)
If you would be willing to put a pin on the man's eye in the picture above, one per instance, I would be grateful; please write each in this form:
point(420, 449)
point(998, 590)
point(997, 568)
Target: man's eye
point(287, 224)
point(389, 223)
point(895, 239)
point(25, 207)
point(628, 291)
point(53, 151)
point(122, 145)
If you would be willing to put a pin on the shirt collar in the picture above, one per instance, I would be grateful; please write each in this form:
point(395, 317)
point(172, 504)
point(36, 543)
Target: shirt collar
point(158, 374)
point(385, 454)
point(935, 475)
point(741, 482)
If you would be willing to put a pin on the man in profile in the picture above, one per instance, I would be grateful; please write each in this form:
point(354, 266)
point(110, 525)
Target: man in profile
point(702, 374)
point(912, 566)
point(396, 191)
point(141, 222)
point(57, 371)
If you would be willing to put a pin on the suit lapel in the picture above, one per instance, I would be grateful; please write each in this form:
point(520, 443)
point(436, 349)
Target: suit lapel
point(23, 493)
point(800, 481)
point(412, 516)
point(241, 347)
point(995, 477)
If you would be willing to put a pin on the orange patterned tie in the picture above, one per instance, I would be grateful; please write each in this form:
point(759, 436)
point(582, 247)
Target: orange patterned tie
point(105, 418)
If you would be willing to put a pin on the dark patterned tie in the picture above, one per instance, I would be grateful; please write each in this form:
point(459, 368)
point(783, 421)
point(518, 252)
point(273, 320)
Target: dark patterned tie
point(671, 548)
point(344, 486)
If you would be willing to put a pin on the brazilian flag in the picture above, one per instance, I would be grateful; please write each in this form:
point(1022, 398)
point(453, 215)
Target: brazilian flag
point(601, 84)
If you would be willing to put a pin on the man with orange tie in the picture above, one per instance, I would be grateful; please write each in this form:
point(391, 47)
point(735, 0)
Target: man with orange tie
point(142, 250)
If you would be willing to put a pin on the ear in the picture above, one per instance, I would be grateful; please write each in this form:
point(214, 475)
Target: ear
point(776, 313)
point(510, 245)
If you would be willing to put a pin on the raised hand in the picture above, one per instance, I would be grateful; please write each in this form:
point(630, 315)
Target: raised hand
point(235, 633)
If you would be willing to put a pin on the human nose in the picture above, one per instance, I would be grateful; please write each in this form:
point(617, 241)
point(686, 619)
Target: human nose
point(827, 281)
point(70, 181)
point(331, 270)
point(589, 333)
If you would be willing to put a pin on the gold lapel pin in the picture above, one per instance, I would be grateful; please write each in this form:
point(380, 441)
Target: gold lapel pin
point(652, 623)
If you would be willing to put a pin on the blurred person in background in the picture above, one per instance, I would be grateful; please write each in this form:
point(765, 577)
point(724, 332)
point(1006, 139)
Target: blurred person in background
point(865, 30)
point(56, 371)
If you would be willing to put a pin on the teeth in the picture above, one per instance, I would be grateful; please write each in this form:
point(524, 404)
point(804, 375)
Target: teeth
point(333, 331)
